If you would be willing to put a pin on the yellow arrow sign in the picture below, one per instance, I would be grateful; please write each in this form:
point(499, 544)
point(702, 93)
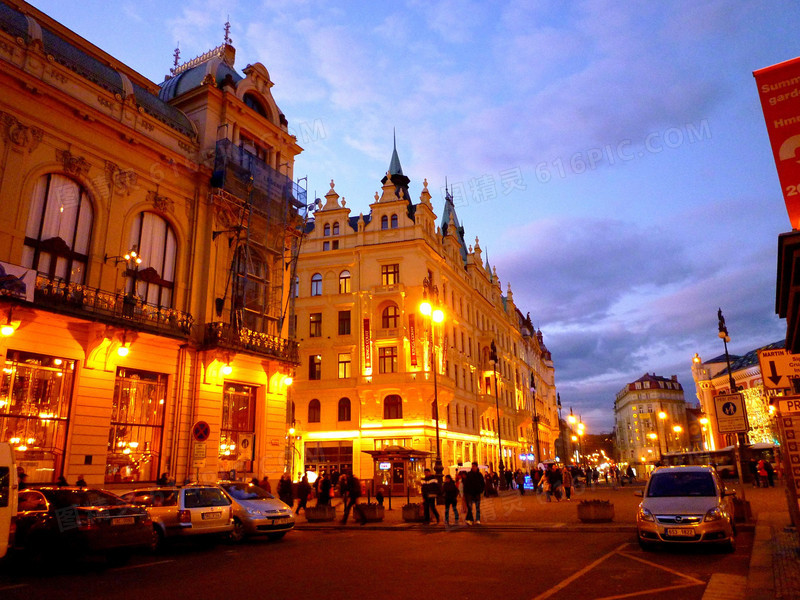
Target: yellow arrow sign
point(777, 366)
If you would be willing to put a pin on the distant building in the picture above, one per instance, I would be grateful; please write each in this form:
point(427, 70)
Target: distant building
point(370, 367)
point(712, 378)
point(650, 416)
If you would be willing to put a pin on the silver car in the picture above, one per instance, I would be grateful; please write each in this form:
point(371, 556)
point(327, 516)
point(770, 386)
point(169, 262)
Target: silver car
point(685, 505)
point(256, 512)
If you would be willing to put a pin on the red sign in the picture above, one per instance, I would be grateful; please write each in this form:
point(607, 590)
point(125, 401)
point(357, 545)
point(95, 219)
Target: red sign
point(412, 338)
point(367, 346)
point(201, 431)
point(779, 90)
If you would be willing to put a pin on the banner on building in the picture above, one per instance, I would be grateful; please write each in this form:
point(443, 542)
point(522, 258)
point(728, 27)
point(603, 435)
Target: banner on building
point(412, 338)
point(779, 91)
point(17, 282)
point(367, 346)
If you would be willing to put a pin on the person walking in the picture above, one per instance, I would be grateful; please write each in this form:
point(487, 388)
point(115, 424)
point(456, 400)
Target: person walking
point(753, 465)
point(770, 473)
point(303, 493)
point(324, 496)
point(762, 473)
point(265, 485)
point(474, 485)
point(430, 492)
point(566, 482)
point(450, 491)
point(351, 490)
point(520, 479)
point(285, 490)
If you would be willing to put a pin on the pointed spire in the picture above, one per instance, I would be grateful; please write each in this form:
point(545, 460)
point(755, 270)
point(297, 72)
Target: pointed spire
point(394, 164)
point(228, 39)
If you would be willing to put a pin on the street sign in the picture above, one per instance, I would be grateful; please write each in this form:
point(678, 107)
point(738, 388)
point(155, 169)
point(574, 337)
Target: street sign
point(199, 455)
point(777, 366)
point(201, 431)
point(731, 413)
point(788, 404)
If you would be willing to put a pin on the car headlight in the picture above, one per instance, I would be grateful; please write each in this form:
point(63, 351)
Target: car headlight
point(645, 515)
point(715, 514)
point(253, 512)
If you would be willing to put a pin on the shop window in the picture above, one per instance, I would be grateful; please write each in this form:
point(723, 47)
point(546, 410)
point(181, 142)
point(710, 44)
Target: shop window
point(344, 322)
point(387, 359)
point(238, 428)
point(35, 396)
point(344, 282)
point(314, 411)
point(393, 407)
point(344, 365)
point(344, 409)
point(137, 426)
point(390, 316)
point(59, 229)
point(315, 325)
point(390, 274)
point(316, 285)
point(153, 280)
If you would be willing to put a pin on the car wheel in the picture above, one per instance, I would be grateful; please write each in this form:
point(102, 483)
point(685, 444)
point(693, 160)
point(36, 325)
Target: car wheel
point(157, 541)
point(276, 536)
point(237, 534)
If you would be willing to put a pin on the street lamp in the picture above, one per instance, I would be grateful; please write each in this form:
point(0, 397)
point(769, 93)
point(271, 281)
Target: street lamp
point(678, 429)
point(493, 359)
point(723, 335)
point(430, 309)
point(580, 441)
point(560, 428)
point(663, 430)
point(536, 418)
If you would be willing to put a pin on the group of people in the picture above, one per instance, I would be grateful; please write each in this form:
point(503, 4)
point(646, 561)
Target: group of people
point(468, 485)
point(763, 473)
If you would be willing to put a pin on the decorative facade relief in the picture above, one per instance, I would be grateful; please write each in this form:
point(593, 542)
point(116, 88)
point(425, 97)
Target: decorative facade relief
point(75, 165)
point(161, 203)
point(22, 136)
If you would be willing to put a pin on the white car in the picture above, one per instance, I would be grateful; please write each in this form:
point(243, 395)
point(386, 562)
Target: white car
point(256, 511)
point(685, 505)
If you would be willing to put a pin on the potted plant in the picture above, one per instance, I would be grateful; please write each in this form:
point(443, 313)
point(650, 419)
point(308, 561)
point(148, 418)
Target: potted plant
point(414, 512)
point(319, 513)
point(595, 511)
point(372, 511)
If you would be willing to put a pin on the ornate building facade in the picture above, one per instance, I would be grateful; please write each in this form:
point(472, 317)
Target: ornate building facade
point(379, 381)
point(143, 241)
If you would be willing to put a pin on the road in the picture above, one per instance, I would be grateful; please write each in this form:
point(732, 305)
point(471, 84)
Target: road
point(465, 564)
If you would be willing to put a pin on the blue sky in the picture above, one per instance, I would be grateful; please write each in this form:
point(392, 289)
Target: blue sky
point(611, 156)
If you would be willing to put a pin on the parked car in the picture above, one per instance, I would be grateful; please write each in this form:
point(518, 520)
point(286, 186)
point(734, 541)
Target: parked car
point(70, 521)
point(257, 512)
point(193, 510)
point(686, 505)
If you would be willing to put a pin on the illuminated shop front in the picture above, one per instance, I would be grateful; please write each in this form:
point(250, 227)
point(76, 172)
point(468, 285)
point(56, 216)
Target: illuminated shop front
point(35, 396)
point(398, 469)
point(238, 430)
point(329, 456)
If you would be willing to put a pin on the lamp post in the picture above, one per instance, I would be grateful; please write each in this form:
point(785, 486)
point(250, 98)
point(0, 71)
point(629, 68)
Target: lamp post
point(723, 335)
point(678, 430)
point(560, 428)
point(663, 430)
point(581, 431)
point(493, 359)
point(430, 309)
point(536, 419)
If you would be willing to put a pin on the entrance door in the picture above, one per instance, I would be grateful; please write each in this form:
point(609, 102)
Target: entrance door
point(398, 478)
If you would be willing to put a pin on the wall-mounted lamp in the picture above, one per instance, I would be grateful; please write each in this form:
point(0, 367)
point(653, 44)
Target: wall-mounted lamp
point(287, 380)
point(125, 347)
point(226, 369)
point(10, 326)
point(132, 256)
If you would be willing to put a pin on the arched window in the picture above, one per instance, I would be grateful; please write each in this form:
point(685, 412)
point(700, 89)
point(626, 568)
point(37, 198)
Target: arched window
point(252, 102)
point(316, 285)
point(59, 229)
point(390, 316)
point(393, 407)
point(251, 292)
point(314, 411)
point(344, 409)
point(158, 249)
point(394, 221)
point(326, 230)
point(384, 222)
point(344, 282)
point(336, 229)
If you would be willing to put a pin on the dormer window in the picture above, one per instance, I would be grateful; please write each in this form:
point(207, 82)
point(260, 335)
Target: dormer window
point(327, 230)
point(336, 229)
point(251, 101)
point(384, 222)
point(394, 222)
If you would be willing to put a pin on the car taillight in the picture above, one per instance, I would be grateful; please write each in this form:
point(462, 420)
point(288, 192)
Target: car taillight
point(184, 516)
point(86, 520)
point(12, 530)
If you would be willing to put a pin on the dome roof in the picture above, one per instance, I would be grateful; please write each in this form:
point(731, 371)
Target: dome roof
point(193, 77)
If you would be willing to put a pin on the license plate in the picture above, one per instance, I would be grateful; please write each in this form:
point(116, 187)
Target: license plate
point(122, 521)
point(283, 521)
point(214, 515)
point(680, 532)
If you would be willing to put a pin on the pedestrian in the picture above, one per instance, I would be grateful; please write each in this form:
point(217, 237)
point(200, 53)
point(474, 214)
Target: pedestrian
point(521, 482)
point(547, 487)
point(23, 480)
point(460, 477)
point(566, 481)
point(163, 479)
point(509, 476)
point(265, 485)
point(81, 481)
point(474, 484)
point(352, 492)
point(762, 473)
point(631, 474)
point(450, 491)
point(379, 496)
point(61, 482)
point(753, 465)
point(303, 493)
point(595, 476)
point(285, 490)
point(430, 493)
point(770, 473)
point(324, 496)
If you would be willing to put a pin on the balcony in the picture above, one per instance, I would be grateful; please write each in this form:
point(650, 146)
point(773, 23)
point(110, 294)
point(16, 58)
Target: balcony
point(123, 310)
point(224, 335)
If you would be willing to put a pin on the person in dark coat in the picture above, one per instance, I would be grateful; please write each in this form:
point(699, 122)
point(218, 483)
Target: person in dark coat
point(62, 481)
point(450, 491)
point(474, 485)
point(81, 481)
point(430, 492)
point(303, 492)
point(351, 490)
point(324, 497)
point(770, 473)
point(285, 490)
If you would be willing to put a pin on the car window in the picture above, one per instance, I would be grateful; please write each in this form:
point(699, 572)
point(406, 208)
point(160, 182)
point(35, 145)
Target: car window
point(677, 483)
point(31, 501)
point(65, 498)
point(153, 498)
point(201, 497)
point(246, 491)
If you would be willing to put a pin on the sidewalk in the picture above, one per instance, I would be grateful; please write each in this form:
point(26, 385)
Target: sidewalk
point(774, 563)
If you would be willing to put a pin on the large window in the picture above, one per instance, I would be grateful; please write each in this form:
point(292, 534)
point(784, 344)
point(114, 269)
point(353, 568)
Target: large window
point(344, 409)
point(387, 359)
point(390, 316)
point(344, 322)
point(238, 429)
point(59, 229)
point(316, 285)
point(137, 423)
point(393, 407)
point(251, 291)
point(314, 411)
point(315, 325)
point(344, 282)
point(390, 274)
point(35, 395)
point(157, 247)
point(315, 367)
point(344, 365)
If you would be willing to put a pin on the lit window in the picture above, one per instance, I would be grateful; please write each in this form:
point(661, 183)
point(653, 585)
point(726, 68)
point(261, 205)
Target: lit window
point(344, 365)
point(390, 274)
point(344, 282)
point(389, 317)
point(387, 359)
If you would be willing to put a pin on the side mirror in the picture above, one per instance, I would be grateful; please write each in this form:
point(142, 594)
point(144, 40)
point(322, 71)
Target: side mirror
point(639, 493)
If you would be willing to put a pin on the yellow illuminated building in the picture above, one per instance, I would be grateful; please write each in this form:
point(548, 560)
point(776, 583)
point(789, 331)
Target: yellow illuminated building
point(143, 241)
point(372, 371)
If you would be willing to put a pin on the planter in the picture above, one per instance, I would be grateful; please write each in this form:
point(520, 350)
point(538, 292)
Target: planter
point(413, 513)
point(372, 512)
point(319, 513)
point(595, 511)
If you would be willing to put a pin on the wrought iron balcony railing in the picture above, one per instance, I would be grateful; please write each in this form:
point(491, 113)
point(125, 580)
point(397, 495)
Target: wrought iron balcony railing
point(224, 335)
point(118, 309)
